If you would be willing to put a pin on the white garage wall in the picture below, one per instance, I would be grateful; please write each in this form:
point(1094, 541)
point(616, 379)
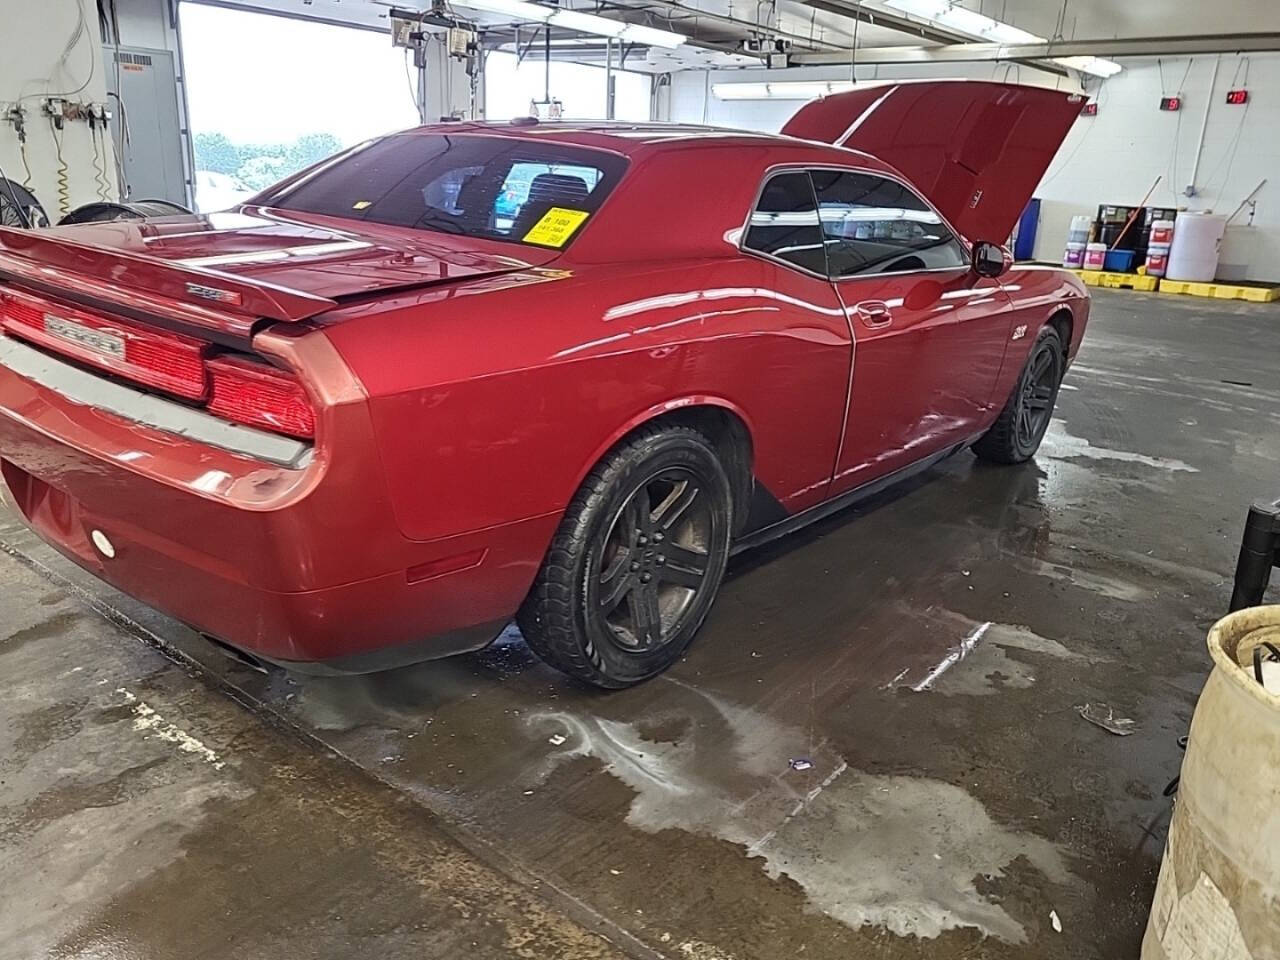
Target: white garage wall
point(31, 46)
point(1111, 158)
point(1116, 156)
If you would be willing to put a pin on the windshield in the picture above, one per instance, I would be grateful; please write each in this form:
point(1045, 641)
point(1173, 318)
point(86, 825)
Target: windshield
point(471, 185)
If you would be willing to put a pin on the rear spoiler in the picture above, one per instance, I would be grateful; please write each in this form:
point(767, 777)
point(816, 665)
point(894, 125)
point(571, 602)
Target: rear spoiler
point(207, 299)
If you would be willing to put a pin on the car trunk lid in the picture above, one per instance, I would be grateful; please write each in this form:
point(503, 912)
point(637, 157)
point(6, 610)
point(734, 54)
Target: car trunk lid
point(224, 272)
point(975, 149)
point(172, 305)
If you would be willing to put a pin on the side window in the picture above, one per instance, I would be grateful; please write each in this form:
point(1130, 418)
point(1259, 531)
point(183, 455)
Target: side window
point(874, 225)
point(785, 225)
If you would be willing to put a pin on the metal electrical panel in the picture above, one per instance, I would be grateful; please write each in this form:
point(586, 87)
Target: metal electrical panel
point(148, 90)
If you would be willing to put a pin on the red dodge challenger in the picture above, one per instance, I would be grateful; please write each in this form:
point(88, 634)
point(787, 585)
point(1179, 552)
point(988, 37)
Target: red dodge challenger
point(557, 372)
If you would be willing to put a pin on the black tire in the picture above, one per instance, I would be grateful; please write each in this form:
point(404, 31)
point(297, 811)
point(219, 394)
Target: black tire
point(636, 562)
point(19, 207)
point(1015, 436)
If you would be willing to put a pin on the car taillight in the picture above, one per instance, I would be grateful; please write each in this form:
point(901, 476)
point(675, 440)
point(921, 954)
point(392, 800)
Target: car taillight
point(232, 386)
point(156, 358)
point(260, 396)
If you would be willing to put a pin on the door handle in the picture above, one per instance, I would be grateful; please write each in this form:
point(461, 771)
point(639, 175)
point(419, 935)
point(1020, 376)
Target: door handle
point(874, 313)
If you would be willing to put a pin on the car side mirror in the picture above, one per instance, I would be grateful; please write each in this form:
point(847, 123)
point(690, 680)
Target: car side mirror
point(988, 259)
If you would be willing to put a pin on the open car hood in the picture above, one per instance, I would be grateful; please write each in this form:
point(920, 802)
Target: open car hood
point(975, 149)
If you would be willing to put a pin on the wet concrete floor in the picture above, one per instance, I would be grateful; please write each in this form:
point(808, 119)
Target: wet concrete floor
point(146, 814)
point(873, 748)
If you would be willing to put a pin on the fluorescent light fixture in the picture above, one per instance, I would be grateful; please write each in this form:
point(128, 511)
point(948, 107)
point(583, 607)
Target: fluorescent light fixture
point(652, 36)
point(947, 13)
point(1094, 65)
point(780, 90)
point(964, 20)
point(518, 9)
point(802, 89)
point(741, 91)
point(577, 20)
point(586, 23)
point(559, 43)
point(1007, 33)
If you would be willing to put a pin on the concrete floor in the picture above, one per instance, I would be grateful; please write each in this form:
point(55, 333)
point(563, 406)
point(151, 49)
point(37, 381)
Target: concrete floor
point(943, 805)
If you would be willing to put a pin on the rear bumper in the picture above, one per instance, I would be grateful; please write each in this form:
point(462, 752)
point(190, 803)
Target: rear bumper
point(295, 565)
point(464, 640)
point(359, 627)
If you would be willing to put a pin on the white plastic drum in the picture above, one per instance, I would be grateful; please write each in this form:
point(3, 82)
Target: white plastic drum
point(1095, 256)
point(1073, 258)
point(1218, 896)
point(1197, 241)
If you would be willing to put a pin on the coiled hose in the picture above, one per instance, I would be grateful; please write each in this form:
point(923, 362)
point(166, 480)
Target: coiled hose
point(99, 162)
point(64, 182)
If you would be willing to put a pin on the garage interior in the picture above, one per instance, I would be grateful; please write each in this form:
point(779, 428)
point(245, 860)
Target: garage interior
point(943, 723)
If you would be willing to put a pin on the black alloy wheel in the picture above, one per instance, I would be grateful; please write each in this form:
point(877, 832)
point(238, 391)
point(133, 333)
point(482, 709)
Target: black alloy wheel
point(655, 560)
point(1038, 388)
point(1018, 431)
point(636, 564)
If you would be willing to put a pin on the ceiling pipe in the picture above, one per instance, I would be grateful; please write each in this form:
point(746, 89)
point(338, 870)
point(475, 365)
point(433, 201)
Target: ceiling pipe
point(1109, 48)
point(855, 10)
point(933, 33)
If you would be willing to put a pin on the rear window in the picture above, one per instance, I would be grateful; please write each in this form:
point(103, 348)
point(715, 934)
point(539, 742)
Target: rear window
point(470, 185)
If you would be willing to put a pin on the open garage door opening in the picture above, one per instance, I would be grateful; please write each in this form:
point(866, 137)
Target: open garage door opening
point(579, 89)
point(270, 95)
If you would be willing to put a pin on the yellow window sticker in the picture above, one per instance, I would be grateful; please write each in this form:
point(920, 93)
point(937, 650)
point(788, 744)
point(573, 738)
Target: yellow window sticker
point(556, 227)
point(361, 204)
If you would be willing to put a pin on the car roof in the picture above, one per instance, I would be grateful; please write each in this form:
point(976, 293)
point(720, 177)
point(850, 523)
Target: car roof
point(628, 138)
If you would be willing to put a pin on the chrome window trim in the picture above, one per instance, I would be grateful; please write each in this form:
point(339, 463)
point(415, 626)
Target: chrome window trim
point(92, 390)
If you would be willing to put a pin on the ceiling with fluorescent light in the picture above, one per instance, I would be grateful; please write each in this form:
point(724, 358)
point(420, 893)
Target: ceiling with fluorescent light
point(716, 29)
point(1094, 19)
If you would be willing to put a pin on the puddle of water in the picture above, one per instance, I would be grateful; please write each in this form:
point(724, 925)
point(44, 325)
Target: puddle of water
point(978, 663)
point(965, 647)
point(989, 668)
point(900, 852)
point(1060, 444)
point(1113, 588)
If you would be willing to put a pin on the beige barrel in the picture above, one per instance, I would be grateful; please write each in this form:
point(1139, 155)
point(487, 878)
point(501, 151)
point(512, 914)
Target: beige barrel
point(1218, 896)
